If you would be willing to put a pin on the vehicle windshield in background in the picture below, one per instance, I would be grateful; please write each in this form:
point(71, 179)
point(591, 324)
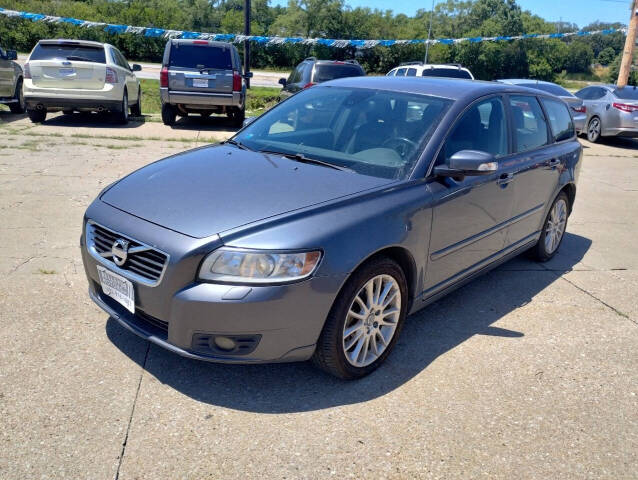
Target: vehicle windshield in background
point(553, 89)
point(446, 72)
point(80, 53)
point(627, 93)
point(373, 132)
point(326, 72)
point(200, 57)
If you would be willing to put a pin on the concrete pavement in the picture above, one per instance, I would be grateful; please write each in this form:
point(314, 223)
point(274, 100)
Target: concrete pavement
point(528, 372)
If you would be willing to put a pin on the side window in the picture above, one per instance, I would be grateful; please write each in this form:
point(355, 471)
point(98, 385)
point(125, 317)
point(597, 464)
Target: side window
point(113, 56)
point(391, 73)
point(401, 72)
point(530, 128)
point(120, 60)
point(584, 93)
point(411, 72)
point(559, 119)
point(482, 127)
point(597, 93)
point(295, 76)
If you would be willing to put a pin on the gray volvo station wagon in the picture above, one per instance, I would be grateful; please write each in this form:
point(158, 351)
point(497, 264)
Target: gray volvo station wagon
point(316, 229)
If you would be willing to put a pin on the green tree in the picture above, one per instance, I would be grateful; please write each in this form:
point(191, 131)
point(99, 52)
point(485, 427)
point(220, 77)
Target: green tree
point(607, 56)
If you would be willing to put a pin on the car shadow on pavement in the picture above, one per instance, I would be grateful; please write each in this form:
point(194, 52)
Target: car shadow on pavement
point(8, 117)
point(428, 334)
point(197, 122)
point(91, 120)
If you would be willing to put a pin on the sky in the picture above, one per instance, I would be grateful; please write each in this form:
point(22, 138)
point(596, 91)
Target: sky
point(581, 12)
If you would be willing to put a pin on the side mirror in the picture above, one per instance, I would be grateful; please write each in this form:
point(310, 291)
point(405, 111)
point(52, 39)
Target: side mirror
point(468, 163)
point(136, 67)
point(248, 75)
point(12, 55)
point(248, 121)
point(283, 82)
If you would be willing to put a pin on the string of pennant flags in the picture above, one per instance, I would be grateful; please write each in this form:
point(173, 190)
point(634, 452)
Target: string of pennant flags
point(329, 42)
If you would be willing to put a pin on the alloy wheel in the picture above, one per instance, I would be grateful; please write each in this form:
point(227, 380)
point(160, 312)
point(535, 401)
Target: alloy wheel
point(555, 228)
point(371, 320)
point(593, 131)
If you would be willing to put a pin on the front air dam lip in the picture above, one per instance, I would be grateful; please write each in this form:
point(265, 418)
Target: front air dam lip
point(128, 321)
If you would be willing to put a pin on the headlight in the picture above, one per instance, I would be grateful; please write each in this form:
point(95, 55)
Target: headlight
point(258, 266)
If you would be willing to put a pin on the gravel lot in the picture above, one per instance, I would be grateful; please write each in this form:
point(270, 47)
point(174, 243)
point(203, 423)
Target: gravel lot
point(528, 372)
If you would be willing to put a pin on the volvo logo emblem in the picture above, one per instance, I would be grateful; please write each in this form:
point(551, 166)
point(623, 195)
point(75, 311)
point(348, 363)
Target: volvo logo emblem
point(119, 251)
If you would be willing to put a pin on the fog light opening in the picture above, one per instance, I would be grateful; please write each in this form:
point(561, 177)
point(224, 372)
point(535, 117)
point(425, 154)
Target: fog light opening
point(225, 343)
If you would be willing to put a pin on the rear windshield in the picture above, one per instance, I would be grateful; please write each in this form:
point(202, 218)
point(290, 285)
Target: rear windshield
point(549, 88)
point(627, 93)
point(79, 53)
point(326, 72)
point(200, 57)
point(446, 72)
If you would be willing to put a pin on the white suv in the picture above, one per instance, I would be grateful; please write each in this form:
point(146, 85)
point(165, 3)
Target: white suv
point(80, 75)
point(419, 69)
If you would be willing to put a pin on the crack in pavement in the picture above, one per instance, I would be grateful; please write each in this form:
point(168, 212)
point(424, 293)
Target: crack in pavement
point(130, 420)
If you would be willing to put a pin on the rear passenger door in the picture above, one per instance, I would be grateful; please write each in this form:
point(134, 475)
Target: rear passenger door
point(535, 166)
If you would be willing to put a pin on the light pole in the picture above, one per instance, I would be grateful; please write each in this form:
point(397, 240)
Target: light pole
point(427, 45)
point(247, 42)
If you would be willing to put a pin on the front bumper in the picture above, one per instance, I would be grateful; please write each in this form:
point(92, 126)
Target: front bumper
point(287, 319)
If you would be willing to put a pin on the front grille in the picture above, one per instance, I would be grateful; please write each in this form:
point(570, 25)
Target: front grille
point(148, 264)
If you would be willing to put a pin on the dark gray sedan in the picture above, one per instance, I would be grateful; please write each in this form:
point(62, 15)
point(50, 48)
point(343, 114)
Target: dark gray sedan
point(318, 228)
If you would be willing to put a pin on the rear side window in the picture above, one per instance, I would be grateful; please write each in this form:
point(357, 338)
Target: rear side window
point(549, 88)
point(79, 53)
point(627, 93)
point(325, 72)
point(482, 128)
point(200, 57)
point(559, 120)
point(401, 72)
point(411, 72)
point(530, 128)
point(446, 72)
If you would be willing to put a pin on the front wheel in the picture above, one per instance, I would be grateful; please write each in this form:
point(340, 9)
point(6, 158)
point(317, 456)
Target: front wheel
point(20, 106)
point(553, 230)
point(594, 130)
point(364, 322)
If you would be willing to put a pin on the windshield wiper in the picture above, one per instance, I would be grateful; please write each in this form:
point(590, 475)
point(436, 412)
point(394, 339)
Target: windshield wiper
point(236, 144)
point(300, 157)
point(79, 59)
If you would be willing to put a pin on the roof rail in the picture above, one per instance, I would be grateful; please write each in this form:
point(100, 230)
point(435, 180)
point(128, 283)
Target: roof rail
point(310, 58)
point(410, 63)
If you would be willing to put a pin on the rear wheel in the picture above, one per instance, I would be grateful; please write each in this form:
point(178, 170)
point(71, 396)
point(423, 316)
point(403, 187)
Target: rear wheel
point(67, 112)
point(364, 322)
point(594, 129)
point(20, 106)
point(553, 230)
point(136, 110)
point(37, 116)
point(237, 116)
point(122, 115)
point(168, 114)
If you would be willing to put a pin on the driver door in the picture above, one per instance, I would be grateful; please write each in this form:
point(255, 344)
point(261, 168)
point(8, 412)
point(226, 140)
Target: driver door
point(470, 215)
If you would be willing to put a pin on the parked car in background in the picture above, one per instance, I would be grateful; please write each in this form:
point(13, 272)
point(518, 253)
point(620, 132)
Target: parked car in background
point(204, 77)
point(578, 108)
point(420, 69)
point(315, 230)
point(11, 80)
point(312, 71)
point(80, 75)
point(611, 111)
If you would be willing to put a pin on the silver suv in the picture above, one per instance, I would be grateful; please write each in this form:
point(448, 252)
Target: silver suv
point(202, 76)
point(11, 92)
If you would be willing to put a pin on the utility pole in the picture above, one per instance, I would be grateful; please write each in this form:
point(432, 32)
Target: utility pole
point(247, 42)
point(628, 52)
point(427, 45)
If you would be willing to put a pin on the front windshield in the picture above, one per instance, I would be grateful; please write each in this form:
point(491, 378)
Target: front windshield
point(373, 132)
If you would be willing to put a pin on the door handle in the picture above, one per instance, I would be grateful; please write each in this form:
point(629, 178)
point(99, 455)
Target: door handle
point(553, 163)
point(505, 178)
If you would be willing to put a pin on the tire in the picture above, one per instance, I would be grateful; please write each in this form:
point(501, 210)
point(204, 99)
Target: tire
point(67, 112)
point(21, 106)
point(337, 353)
point(554, 229)
point(122, 116)
point(594, 129)
point(37, 116)
point(168, 114)
point(136, 110)
point(237, 116)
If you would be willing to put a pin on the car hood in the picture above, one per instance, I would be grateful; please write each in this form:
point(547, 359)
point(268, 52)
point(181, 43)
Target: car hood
point(210, 190)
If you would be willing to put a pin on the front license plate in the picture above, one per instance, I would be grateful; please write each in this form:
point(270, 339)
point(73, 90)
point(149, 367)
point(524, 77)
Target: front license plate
point(200, 83)
point(118, 288)
point(67, 71)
